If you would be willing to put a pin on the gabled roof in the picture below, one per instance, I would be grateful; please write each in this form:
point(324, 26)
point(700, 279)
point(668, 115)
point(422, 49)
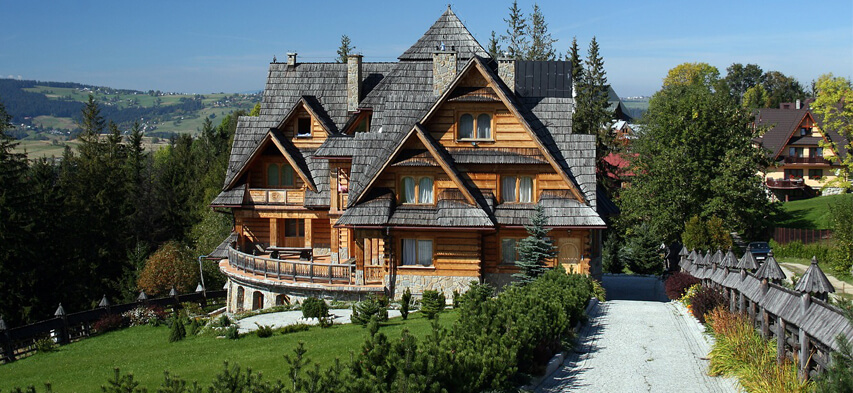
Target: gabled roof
point(814, 281)
point(287, 149)
point(747, 261)
point(783, 122)
point(316, 110)
point(449, 31)
point(770, 269)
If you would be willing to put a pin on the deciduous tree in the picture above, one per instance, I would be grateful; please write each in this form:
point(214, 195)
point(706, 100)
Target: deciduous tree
point(691, 74)
point(834, 106)
point(781, 88)
point(741, 78)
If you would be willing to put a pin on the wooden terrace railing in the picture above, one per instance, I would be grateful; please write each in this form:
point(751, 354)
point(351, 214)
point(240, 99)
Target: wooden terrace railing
point(292, 268)
point(807, 160)
point(262, 196)
point(785, 183)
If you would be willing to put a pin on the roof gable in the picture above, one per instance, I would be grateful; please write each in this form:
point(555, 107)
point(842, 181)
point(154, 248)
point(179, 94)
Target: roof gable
point(315, 109)
point(287, 149)
point(448, 31)
point(783, 122)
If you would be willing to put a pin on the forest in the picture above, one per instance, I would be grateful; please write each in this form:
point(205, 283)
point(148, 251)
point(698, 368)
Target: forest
point(75, 229)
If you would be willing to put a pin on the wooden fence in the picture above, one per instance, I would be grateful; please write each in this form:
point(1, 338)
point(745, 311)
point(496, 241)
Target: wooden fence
point(806, 236)
point(21, 341)
point(805, 328)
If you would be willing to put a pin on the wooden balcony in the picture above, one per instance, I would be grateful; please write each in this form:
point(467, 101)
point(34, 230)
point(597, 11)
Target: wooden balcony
point(807, 160)
point(786, 184)
point(265, 196)
point(293, 268)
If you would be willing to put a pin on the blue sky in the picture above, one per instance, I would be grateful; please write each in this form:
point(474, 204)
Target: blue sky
point(212, 46)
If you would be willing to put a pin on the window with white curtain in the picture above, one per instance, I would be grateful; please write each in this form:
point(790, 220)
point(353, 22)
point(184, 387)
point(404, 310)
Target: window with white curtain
point(509, 253)
point(484, 126)
point(517, 189)
point(466, 126)
point(417, 192)
point(417, 252)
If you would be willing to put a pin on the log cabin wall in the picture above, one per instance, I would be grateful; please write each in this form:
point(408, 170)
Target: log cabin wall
point(258, 169)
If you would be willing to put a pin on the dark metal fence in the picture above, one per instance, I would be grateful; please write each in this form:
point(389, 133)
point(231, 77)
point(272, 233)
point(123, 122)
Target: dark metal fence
point(22, 341)
point(806, 236)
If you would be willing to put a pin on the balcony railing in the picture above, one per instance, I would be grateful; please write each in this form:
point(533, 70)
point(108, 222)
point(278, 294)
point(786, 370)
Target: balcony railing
point(785, 183)
point(259, 196)
point(807, 160)
point(292, 269)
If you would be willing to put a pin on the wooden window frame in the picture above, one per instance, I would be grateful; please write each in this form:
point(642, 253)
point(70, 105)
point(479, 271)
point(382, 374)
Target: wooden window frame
point(417, 178)
point(501, 250)
point(533, 191)
point(475, 114)
point(310, 127)
point(813, 177)
point(401, 263)
point(280, 184)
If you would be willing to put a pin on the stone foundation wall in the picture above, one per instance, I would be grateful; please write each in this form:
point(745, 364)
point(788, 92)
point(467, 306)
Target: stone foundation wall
point(418, 284)
point(286, 295)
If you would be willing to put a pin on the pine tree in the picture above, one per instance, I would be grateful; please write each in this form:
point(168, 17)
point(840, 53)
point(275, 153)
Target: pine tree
point(516, 33)
point(345, 49)
point(535, 249)
point(593, 115)
point(577, 63)
point(541, 44)
point(494, 47)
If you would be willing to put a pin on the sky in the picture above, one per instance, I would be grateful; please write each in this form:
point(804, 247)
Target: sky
point(226, 46)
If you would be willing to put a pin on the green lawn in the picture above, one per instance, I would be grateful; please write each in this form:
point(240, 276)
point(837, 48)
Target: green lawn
point(813, 213)
point(145, 351)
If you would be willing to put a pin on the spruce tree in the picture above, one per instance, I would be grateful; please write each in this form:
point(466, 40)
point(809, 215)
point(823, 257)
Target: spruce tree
point(535, 249)
point(541, 44)
point(345, 49)
point(577, 63)
point(494, 46)
point(593, 115)
point(516, 33)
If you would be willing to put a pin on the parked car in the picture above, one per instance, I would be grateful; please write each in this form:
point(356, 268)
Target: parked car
point(759, 250)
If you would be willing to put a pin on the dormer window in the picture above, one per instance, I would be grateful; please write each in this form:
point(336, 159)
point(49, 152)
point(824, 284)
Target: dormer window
point(479, 127)
point(303, 126)
point(517, 189)
point(280, 175)
point(417, 190)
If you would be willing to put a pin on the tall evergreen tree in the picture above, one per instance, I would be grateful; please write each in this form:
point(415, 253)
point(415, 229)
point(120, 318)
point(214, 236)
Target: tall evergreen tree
point(516, 33)
point(541, 44)
point(577, 64)
point(345, 49)
point(494, 47)
point(593, 115)
point(535, 249)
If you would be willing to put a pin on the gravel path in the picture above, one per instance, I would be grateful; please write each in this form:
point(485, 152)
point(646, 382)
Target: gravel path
point(282, 319)
point(638, 343)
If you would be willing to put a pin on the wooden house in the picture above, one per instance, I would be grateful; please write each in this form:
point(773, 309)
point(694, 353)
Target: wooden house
point(362, 177)
point(794, 140)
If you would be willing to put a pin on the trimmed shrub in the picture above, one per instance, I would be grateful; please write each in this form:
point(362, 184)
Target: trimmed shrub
point(365, 310)
point(678, 283)
point(313, 307)
point(299, 327)
point(796, 249)
point(705, 300)
point(433, 302)
point(232, 332)
point(405, 302)
point(178, 331)
point(108, 322)
point(598, 291)
point(263, 331)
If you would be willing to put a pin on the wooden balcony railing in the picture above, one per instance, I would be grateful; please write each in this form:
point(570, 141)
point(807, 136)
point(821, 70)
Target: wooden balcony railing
point(263, 196)
point(373, 274)
point(292, 269)
point(807, 160)
point(785, 183)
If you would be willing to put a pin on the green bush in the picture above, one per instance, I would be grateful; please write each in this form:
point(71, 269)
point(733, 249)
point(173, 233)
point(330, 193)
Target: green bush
point(178, 331)
point(797, 249)
point(232, 332)
point(45, 345)
point(299, 327)
point(364, 311)
point(610, 259)
point(641, 254)
point(405, 302)
point(263, 331)
point(432, 303)
point(313, 307)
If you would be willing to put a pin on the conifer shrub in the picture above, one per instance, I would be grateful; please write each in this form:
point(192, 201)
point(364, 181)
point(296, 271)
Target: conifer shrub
point(364, 311)
point(432, 303)
point(313, 307)
point(298, 327)
point(455, 299)
point(405, 302)
point(263, 331)
point(678, 283)
point(178, 330)
point(232, 332)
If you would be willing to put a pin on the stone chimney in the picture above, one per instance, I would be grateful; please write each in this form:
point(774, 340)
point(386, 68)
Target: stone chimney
point(291, 59)
point(506, 71)
point(353, 82)
point(443, 69)
point(798, 104)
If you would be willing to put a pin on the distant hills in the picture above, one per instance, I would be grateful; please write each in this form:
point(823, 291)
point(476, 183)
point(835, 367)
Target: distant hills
point(53, 108)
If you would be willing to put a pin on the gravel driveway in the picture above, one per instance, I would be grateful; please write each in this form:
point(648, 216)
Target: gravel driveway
point(638, 342)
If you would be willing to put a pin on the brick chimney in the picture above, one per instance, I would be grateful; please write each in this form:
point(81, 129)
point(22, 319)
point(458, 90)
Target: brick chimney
point(291, 59)
point(443, 69)
point(353, 82)
point(506, 71)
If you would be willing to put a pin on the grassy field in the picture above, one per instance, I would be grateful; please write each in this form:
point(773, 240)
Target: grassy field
point(86, 365)
point(813, 213)
point(47, 149)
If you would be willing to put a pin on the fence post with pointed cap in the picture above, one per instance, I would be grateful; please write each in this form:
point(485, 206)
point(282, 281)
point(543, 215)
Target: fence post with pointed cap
point(63, 336)
point(105, 303)
point(7, 350)
point(200, 289)
point(142, 298)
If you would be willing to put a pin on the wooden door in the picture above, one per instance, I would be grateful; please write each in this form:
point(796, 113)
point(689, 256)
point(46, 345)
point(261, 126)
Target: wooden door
point(293, 234)
point(568, 254)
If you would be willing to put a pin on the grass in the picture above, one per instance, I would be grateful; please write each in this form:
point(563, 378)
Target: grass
point(46, 148)
point(86, 365)
point(813, 213)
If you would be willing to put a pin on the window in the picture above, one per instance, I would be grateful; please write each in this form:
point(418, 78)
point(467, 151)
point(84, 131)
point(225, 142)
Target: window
point(795, 151)
point(280, 175)
point(803, 131)
point(294, 228)
point(793, 173)
point(816, 152)
point(417, 252)
point(517, 189)
point(303, 126)
point(509, 251)
point(815, 174)
point(482, 126)
point(419, 191)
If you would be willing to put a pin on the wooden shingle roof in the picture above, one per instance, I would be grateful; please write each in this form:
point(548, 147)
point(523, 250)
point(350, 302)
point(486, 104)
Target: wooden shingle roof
point(814, 280)
point(449, 31)
point(770, 269)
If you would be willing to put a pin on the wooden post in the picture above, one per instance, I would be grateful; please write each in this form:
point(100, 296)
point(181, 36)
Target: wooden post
point(780, 340)
point(309, 232)
point(63, 337)
point(7, 349)
point(805, 355)
point(732, 302)
point(273, 232)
